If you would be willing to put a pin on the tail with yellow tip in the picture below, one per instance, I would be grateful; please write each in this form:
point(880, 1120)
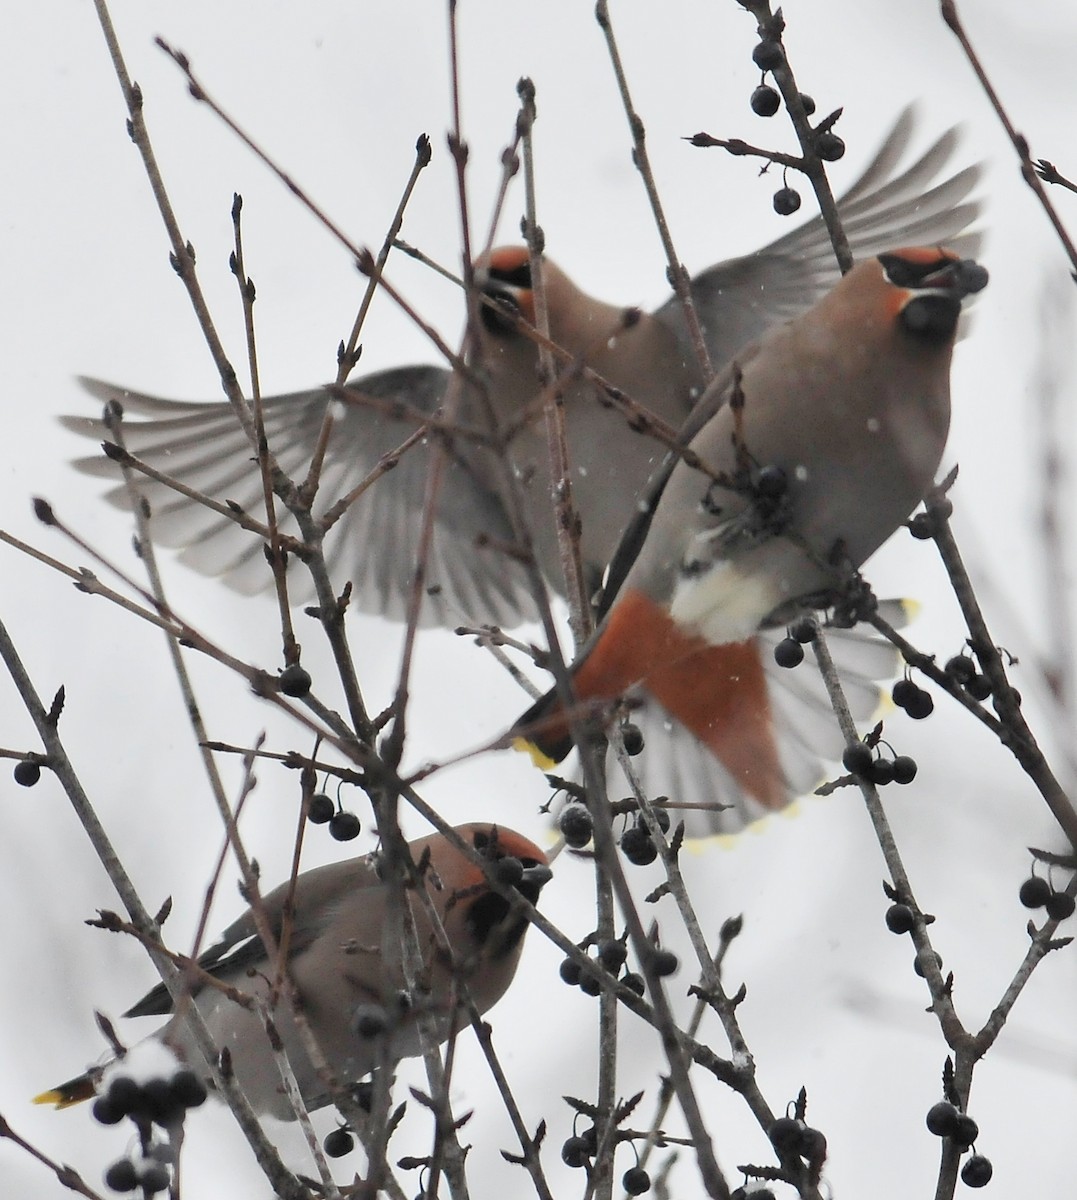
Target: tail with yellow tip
point(64, 1095)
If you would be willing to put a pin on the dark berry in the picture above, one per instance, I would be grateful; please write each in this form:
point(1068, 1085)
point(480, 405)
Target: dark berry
point(899, 918)
point(632, 736)
point(124, 1093)
point(965, 1131)
point(612, 955)
point(786, 201)
point(917, 966)
point(977, 1172)
point(771, 482)
point(829, 147)
point(788, 653)
point(922, 527)
point(904, 769)
point(903, 691)
point(153, 1179)
point(590, 984)
point(941, 1118)
point(803, 631)
point(960, 667)
point(765, 101)
point(634, 983)
point(920, 706)
point(509, 871)
point(663, 962)
point(338, 1142)
point(294, 681)
point(638, 846)
point(813, 1145)
point(767, 56)
point(188, 1090)
point(107, 1112)
point(882, 772)
point(858, 759)
point(785, 1134)
point(26, 773)
point(575, 1152)
point(343, 826)
point(159, 1101)
point(321, 809)
point(122, 1176)
point(1060, 906)
point(1035, 892)
point(370, 1020)
point(978, 687)
point(575, 825)
point(636, 1181)
point(660, 814)
point(570, 971)
point(808, 103)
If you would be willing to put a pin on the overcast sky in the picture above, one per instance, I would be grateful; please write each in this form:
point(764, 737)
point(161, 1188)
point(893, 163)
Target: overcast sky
point(338, 94)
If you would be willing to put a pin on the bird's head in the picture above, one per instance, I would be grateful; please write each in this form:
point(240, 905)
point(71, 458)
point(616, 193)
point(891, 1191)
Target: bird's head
point(505, 278)
point(924, 289)
point(494, 927)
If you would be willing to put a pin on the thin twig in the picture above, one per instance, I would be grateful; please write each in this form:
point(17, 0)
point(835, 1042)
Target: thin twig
point(948, 9)
point(677, 273)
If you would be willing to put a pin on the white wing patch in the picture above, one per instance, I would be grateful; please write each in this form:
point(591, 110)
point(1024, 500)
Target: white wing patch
point(723, 604)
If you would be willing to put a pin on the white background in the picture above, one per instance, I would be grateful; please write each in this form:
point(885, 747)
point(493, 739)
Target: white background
point(338, 93)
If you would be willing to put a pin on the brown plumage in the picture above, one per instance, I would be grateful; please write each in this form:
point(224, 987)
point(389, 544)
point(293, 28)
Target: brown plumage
point(340, 964)
point(815, 445)
point(374, 545)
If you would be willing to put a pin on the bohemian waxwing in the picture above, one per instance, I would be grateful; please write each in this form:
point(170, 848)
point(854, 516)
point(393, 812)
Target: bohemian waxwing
point(374, 544)
point(816, 443)
point(344, 968)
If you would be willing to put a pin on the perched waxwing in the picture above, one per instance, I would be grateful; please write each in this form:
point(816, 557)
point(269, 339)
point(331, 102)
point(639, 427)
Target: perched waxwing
point(814, 446)
point(647, 356)
point(349, 974)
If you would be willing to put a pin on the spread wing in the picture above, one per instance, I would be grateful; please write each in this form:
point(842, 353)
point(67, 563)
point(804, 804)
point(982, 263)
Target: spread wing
point(375, 544)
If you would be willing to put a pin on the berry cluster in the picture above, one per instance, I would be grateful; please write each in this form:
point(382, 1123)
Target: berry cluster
point(610, 957)
point(789, 652)
point(963, 671)
point(161, 1101)
point(765, 101)
point(946, 1120)
point(913, 699)
point(790, 1135)
point(343, 825)
point(866, 763)
point(1037, 892)
point(637, 841)
point(578, 1151)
